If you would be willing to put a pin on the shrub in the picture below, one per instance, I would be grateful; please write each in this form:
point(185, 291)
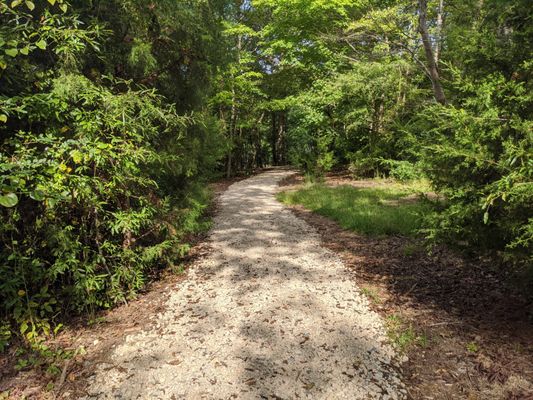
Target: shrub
point(99, 178)
point(402, 170)
point(479, 156)
point(83, 222)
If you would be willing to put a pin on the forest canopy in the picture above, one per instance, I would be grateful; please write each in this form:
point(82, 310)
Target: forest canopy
point(114, 115)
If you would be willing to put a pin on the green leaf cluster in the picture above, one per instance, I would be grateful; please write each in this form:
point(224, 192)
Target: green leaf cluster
point(101, 168)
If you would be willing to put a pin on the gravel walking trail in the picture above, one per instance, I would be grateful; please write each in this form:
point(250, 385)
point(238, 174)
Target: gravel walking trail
point(269, 314)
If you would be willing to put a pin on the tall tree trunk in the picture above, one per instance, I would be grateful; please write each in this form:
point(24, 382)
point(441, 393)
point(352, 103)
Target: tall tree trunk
point(228, 165)
point(234, 112)
point(231, 133)
point(256, 135)
point(274, 140)
point(438, 35)
point(242, 154)
point(281, 138)
point(438, 92)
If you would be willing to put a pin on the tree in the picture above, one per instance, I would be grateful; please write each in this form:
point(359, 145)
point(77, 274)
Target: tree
point(431, 55)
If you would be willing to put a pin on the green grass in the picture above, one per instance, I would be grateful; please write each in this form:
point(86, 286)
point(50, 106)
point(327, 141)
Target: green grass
point(472, 347)
point(372, 211)
point(402, 335)
point(372, 294)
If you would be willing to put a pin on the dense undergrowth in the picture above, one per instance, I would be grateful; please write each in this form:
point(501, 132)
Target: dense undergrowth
point(102, 176)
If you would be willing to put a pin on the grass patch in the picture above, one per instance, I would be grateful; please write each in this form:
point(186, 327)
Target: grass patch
point(372, 294)
point(371, 211)
point(472, 347)
point(402, 335)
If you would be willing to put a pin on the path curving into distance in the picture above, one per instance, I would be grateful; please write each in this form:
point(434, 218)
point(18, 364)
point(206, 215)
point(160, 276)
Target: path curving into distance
point(269, 314)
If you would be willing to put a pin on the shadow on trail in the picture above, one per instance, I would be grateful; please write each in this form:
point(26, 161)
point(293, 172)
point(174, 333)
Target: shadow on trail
point(271, 314)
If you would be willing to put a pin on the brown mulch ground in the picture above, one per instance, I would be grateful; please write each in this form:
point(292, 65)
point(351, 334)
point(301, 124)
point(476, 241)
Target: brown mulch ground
point(99, 336)
point(478, 330)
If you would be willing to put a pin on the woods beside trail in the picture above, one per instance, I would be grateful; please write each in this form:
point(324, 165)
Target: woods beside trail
point(116, 116)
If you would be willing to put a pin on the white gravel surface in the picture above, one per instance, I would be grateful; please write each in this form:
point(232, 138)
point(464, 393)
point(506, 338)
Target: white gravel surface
point(269, 314)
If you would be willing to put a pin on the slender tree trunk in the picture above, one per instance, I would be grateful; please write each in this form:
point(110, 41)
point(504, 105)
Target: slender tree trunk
point(242, 154)
point(281, 138)
point(229, 161)
point(274, 140)
point(438, 92)
point(231, 134)
point(438, 39)
point(231, 129)
point(234, 112)
point(228, 165)
point(256, 135)
point(253, 161)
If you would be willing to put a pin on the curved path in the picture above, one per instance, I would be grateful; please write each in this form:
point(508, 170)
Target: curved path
point(270, 314)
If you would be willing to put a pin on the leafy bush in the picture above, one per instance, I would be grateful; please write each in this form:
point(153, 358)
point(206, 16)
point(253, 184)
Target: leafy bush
point(99, 177)
point(479, 157)
point(362, 166)
point(402, 170)
point(86, 221)
point(354, 119)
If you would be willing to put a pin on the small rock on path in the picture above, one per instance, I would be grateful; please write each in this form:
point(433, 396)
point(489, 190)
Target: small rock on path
point(269, 314)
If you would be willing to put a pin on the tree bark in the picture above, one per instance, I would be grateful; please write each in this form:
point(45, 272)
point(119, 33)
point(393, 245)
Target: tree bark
point(231, 132)
point(234, 111)
point(257, 160)
point(440, 23)
point(280, 140)
point(274, 140)
point(228, 165)
point(438, 91)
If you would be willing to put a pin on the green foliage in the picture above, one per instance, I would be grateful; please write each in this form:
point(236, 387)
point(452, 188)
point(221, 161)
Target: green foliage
point(479, 157)
point(114, 113)
point(49, 359)
point(90, 222)
point(372, 110)
point(472, 347)
point(402, 335)
point(100, 177)
point(353, 117)
point(372, 211)
point(5, 336)
point(402, 171)
point(295, 32)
